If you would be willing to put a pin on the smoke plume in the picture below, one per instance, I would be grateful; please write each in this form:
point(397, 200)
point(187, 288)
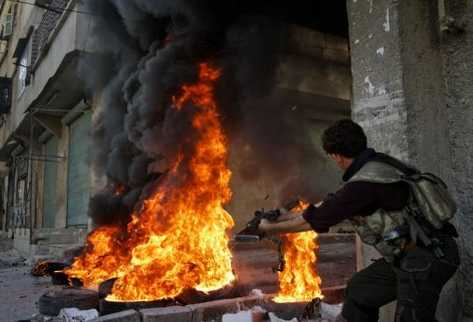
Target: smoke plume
point(143, 52)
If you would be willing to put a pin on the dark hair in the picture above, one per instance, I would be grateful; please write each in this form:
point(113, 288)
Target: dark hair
point(345, 138)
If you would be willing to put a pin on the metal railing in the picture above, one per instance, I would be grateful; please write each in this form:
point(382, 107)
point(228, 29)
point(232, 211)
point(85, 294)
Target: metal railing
point(46, 26)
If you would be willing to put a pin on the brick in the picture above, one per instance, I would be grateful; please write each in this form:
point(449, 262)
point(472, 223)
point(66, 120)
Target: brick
point(124, 316)
point(167, 314)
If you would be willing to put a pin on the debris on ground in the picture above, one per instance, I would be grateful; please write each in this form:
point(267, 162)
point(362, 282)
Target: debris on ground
point(257, 292)
point(11, 258)
point(330, 312)
point(243, 316)
point(47, 267)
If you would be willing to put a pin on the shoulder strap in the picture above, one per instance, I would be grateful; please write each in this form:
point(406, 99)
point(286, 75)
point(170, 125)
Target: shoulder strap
point(398, 164)
point(377, 172)
point(383, 168)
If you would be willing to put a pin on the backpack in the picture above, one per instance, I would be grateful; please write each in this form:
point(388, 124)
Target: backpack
point(430, 198)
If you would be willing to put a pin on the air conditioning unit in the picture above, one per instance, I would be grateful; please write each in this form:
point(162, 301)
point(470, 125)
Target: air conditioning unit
point(7, 26)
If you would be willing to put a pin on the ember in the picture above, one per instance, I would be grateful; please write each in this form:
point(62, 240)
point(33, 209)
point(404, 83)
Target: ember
point(299, 281)
point(178, 239)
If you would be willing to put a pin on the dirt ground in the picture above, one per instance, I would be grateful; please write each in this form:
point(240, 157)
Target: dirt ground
point(19, 290)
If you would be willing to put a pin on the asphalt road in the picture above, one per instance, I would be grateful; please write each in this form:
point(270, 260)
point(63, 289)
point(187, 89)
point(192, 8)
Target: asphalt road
point(19, 290)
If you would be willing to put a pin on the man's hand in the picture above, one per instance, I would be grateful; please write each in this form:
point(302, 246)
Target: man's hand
point(264, 226)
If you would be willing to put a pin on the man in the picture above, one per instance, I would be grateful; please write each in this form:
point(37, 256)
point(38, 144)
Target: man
point(410, 272)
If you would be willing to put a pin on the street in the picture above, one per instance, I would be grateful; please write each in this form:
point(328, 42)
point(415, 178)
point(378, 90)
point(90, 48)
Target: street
point(19, 290)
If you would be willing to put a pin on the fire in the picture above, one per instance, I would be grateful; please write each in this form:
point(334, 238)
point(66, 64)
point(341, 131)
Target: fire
point(299, 281)
point(178, 239)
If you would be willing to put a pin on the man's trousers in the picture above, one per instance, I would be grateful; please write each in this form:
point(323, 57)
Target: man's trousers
point(415, 281)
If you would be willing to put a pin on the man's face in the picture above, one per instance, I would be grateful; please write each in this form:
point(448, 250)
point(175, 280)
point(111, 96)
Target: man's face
point(341, 161)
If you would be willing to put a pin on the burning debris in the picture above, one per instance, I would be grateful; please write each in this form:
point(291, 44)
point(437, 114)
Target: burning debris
point(299, 281)
point(179, 239)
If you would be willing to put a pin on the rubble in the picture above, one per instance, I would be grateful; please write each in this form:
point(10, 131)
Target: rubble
point(76, 315)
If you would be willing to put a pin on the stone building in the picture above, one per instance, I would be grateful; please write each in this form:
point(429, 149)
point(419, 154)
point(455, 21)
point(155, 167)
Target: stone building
point(44, 141)
point(402, 69)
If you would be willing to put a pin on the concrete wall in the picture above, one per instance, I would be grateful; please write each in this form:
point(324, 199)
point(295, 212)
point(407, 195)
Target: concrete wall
point(457, 49)
point(416, 110)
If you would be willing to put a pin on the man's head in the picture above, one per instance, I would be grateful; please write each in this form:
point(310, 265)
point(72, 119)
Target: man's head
point(344, 141)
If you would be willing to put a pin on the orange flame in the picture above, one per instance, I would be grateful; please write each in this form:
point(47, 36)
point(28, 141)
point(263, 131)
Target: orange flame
point(299, 281)
point(178, 240)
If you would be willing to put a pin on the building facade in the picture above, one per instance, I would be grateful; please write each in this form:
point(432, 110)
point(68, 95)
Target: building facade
point(45, 123)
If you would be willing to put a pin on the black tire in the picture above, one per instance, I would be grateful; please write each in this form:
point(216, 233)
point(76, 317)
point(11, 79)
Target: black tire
point(59, 278)
point(52, 302)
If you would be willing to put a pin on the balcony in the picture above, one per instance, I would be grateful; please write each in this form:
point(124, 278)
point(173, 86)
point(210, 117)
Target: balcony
point(56, 45)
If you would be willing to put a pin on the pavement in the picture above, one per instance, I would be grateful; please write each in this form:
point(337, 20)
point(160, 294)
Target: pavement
point(19, 290)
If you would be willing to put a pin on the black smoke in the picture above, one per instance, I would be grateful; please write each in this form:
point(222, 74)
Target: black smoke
point(143, 52)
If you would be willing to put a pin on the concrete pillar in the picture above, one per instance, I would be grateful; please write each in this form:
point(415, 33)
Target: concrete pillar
point(398, 90)
point(457, 45)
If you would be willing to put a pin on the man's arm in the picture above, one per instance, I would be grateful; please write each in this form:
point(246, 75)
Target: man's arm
point(356, 198)
point(296, 224)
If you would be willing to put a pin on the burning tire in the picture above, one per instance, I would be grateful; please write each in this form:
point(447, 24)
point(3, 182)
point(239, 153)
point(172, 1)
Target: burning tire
point(52, 302)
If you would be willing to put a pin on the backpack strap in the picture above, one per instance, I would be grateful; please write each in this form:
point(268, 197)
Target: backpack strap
point(398, 164)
